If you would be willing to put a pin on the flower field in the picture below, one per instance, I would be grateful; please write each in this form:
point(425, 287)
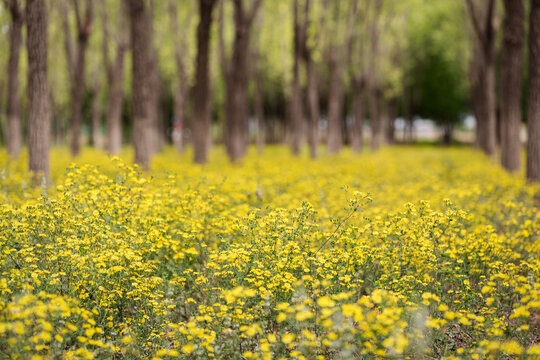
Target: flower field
point(412, 252)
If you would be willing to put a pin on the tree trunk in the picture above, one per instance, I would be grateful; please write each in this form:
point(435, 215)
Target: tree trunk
point(358, 109)
point(237, 108)
point(511, 84)
point(14, 128)
point(375, 121)
point(115, 99)
point(313, 108)
point(201, 111)
point(533, 110)
point(78, 86)
point(295, 113)
point(259, 112)
point(143, 122)
point(115, 79)
point(181, 94)
point(390, 129)
point(486, 121)
point(180, 103)
point(483, 74)
point(157, 131)
point(38, 90)
point(335, 105)
point(77, 89)
point(97, 139)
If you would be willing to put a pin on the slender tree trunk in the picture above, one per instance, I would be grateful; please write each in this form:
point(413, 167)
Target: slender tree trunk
point(97, 139)
point(180, 103)
point(313, 107)
point(335, 105)
point(488, 119)
point(390, 129)
point(38, 90)
point(259, 112)
point(296, 109)
point(14, 128)
point(533, 110)
point(358, 109)
point(483, 88)
point(202, 120)
point(115, 102)
point(78, 86)
point(296, 114)
point(511, 84)
point(237, 108)
point(143, 122)
point(157, 131)
point(181, 94)
point(375, 120)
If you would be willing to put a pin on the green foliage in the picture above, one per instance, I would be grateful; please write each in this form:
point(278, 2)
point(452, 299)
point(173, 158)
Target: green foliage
point(438, 52)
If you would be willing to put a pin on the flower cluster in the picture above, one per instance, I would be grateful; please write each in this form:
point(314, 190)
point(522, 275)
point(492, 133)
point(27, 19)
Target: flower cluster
point(407, 253)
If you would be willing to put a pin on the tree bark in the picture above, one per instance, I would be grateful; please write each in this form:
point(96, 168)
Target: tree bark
point(143, 122)
point(115, 82)
point(237, 108)
point(373, 81)
point(313, 107)
point(97, 139)
point(14, 129)
point(375, 119)
point(115, 102)
point(201, 111)
point(511, 84)
point(181, 94)
point(358, 109)
point(296, 113)
point(533, 109)
point(335, 104)
point(390, 128)
point(483, 87)
point(84, 28)
point(38, 91)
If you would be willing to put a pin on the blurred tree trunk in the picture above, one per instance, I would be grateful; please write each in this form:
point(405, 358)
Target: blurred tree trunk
point(259, 112)
point(358, 110)
point(237, 81)
point(157, 134)
point(258, 91)
point(142, 82)
point(38, 90)
point(312, 106)
point(375, 119)
point(335, 84)
point(296, 113)
point(335, 103)
point(372, 80)
point(78, 66)
point(181, 94)
point(511, 84)
point(312, 93)
point(14, 129)
point(483, 83)
point(115, 80)
point(391, 129)
point(97, 139)
point(201, 111)
point(533, 110)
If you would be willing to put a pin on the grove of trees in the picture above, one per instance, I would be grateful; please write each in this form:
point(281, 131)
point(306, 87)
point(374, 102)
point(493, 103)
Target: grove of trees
point(301, 72)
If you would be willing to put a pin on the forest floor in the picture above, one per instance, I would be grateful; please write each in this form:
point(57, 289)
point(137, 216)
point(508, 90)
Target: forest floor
point(411, 252)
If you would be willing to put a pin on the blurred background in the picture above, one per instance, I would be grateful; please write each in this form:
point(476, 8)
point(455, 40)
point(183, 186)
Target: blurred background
point(315, 74)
